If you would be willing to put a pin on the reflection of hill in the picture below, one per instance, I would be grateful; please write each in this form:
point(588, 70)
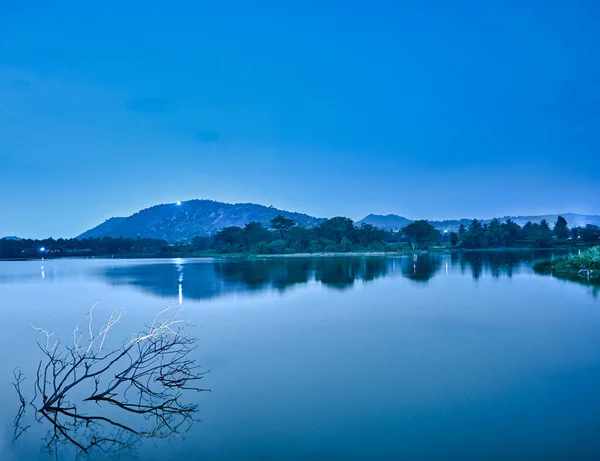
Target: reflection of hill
point(204, 280)
point(209, 279)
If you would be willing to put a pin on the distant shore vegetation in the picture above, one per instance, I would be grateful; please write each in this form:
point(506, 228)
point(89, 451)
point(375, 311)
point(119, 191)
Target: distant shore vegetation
point(585, 265)
point(335, 235)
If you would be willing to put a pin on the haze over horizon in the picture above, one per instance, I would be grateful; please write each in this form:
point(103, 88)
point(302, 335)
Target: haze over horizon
point(479, 110)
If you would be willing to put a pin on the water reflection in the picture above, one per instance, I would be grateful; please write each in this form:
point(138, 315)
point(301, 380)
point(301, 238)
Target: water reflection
point(95, 394)
point(196, 279)
point(421, 268)
point(205, 280)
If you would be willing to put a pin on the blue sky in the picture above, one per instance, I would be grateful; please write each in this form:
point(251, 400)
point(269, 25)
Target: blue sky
point(426, 109)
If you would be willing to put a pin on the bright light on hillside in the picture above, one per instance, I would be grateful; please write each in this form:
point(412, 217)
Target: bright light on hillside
point(178, 203)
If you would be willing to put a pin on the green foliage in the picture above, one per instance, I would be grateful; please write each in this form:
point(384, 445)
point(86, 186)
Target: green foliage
point(421, 234)
point(539, 234)
point(335, 229)
point(201, 243)
point(561, 229)
point(229, 240)
point(333, 235)
point(497, 234)
point(277, 246)
point(254, 233)
point(370, 236)
point(589, 234)
point(338, 234)
point(282, 224)
point(454, 239)
point(586, 264)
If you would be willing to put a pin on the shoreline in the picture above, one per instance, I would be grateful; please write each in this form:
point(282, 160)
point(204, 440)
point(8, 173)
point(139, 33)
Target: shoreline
point(584, 266)
point(240, 256)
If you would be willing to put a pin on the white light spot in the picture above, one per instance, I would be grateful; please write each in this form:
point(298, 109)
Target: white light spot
point(42, 249)
point(178, 203)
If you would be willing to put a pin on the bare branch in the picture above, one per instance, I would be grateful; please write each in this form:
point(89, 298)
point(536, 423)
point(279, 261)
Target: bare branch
point(147, 376)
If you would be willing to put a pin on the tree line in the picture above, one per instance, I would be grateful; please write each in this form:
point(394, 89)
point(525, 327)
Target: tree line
point(106, 246)
point(509, 234)
point(339, 235)
point(342, 235)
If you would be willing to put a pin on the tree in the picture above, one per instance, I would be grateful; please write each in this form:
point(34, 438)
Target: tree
point(561, 229)
point(421, 234)
point(538, 234)
point(454, 239)
point(494, 233)
point(475, 237)
point(200, 243)
point(590, 234)
point(229, 239)
point(300, 238)
point(512, 232)
point(462, 230)
point(337, 228)
point(282, 224)
point(475, 228)
point(368, 235)
point(254, 233)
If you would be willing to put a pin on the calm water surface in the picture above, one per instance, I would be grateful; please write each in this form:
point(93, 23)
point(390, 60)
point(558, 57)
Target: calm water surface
point(443, 357)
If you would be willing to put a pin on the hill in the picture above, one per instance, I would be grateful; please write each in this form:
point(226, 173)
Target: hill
point(395, 222)
point(185, 220)
point(10, 237)
point(387, 222)
point(105, 229)
point(392, 222)
point(573, 219)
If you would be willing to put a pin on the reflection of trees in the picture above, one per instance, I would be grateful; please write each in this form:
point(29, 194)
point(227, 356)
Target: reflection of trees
point(593, 284)
point(257, 274)
point(209, 279)
point(374, 268)
point(338, 272)
point(96, 396)
point(205, 280)
point(421, 267)
point(497, 263)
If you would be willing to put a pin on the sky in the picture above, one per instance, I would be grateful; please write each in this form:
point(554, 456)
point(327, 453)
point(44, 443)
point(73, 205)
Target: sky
point(427, 109)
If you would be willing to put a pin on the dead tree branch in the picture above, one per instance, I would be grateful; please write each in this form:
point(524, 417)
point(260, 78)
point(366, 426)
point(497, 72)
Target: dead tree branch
point(83, 388)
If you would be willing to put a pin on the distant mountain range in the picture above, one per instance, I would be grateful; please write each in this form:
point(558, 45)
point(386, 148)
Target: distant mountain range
point(395, 222)
point(185, 220)
point(10, 237)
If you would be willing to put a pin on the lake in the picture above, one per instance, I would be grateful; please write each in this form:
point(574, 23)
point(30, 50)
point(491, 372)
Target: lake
point(461, 356)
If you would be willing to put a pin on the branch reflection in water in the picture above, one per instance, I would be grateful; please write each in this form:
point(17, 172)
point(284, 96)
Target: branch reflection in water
point(97, 393)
